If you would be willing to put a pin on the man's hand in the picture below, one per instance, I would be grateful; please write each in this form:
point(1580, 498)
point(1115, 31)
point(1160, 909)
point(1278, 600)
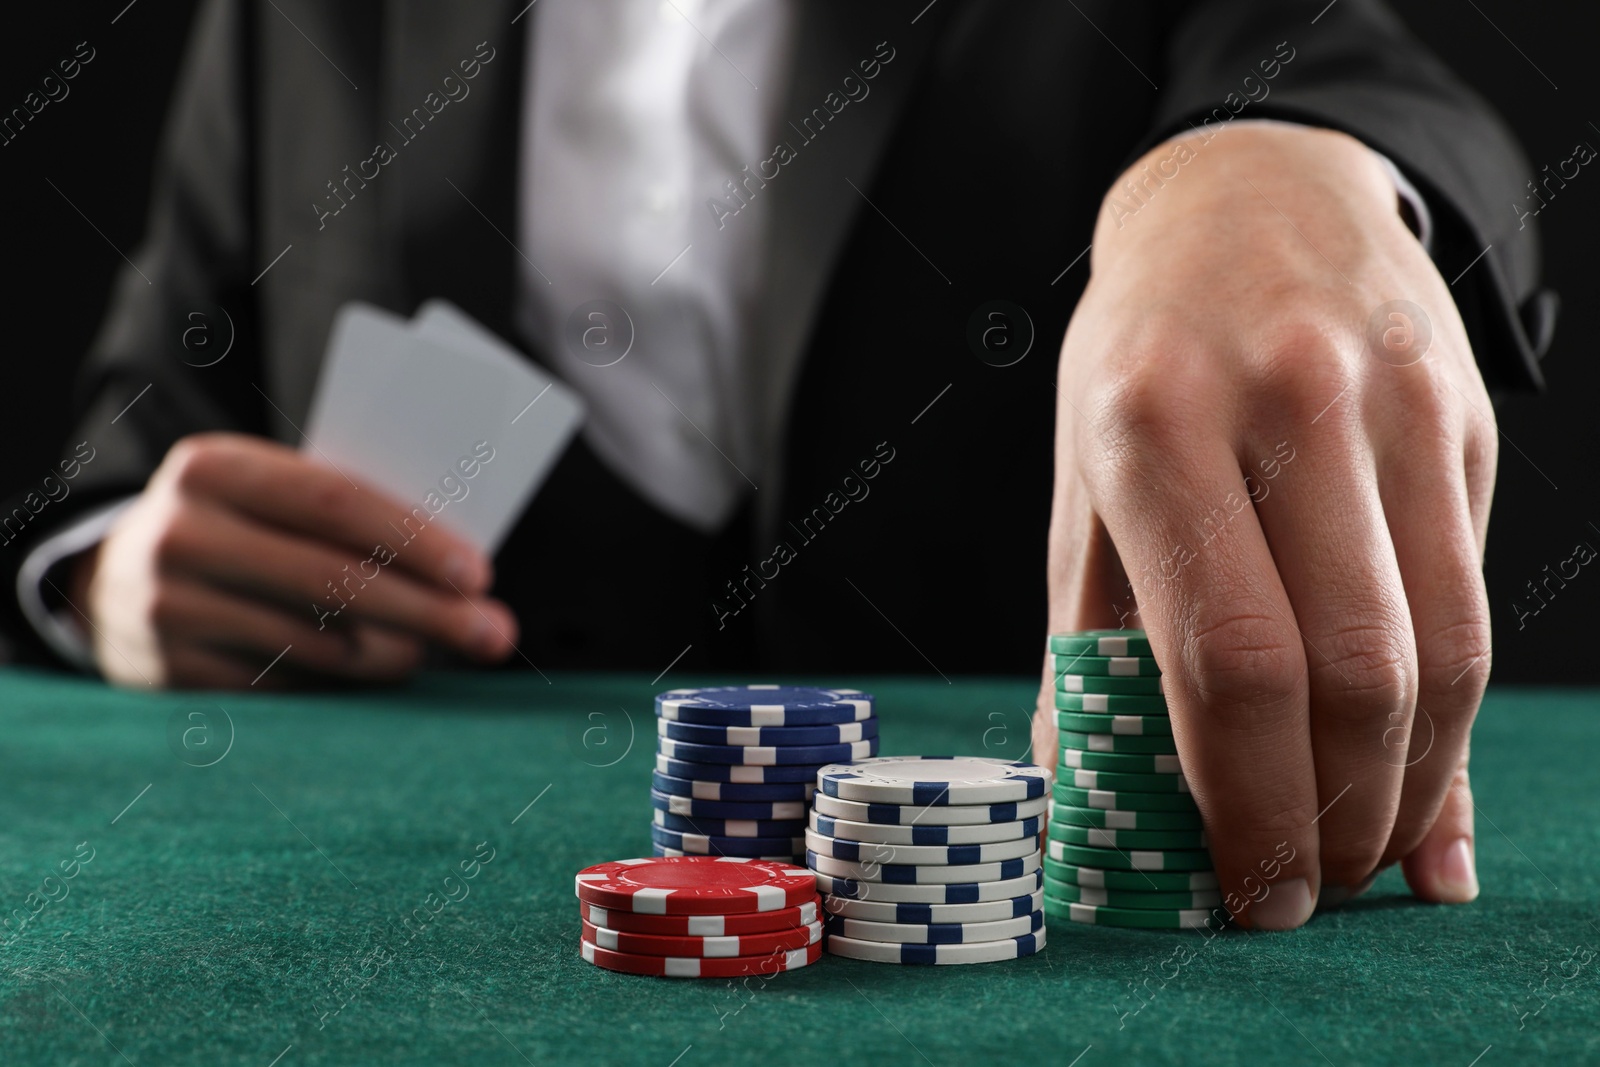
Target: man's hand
point(240, 548)
point(1294, 482)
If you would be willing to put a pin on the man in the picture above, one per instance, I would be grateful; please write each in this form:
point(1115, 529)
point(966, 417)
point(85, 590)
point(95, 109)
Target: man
point(837, 235)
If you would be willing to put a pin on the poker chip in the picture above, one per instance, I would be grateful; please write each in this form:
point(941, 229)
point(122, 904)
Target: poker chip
point(660, 851)
point(736, 763)
point(930, 859)
point(1184, 919)
point(934, 933)
point(908, 815)
point(735, 792)
point(720, 809)
point(1126, 845)
point(885, 911)
point(950, 893)
point(1096, 837)
point(1123, 800)
point(695, 885)
point(1068, 893)
point(934, 781)
point(1101, 683)
point(750, 922)
point(1117, 743)
point(1112, 819)
point(710, 845)
point(1112, 703)
point(757, 736)
point(922, 873)
point(1123, 725)
point(766, 755)
point(689, 824)
point(1109, 666)
point(1113, 781)
point(976, 952)
point(696, 967)
point(736, 773)
point(1143, 881)
point(1115, 859)
point(886, 852)
point(922, 834)
point(764, 705)
point(705, 947)
point(1100, 643)
point(1125, 762)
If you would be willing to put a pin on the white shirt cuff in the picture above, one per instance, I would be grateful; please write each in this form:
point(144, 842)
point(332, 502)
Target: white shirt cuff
point(60, 628)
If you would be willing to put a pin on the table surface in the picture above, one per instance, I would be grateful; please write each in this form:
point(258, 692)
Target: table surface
point(251, 907)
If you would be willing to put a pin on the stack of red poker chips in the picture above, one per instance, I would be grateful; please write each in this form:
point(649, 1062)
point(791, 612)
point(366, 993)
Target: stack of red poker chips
point(699, 916)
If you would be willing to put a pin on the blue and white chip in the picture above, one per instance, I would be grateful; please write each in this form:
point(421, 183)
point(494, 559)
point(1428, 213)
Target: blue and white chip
point(975, 952)
point(838, 733)
point(767, 755)
point(708, 845)
point(694, 824)
point(726, 809)
point(792, 774)
point(879, 852)
point(933, 933)
point(923, 874)
point(934, 780)
point(947, 893)
point(764, 705)
point(734, 791)
point(924, 834)
point(909, 815)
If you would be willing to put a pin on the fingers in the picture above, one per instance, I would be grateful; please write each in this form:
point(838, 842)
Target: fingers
point(1326, 528)
point(1426, 499)
point(278, 485)
point(1088, 590)
point(187, 611)
point(1220, 623)
point(308, 576)
point(1444, 867)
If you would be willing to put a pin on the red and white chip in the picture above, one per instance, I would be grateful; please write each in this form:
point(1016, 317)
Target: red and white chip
point(705, 947)
point(754, 922)
point(695, 885)
point(694, 967)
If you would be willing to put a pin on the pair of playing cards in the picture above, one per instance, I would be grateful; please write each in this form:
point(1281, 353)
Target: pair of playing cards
point(441, 414)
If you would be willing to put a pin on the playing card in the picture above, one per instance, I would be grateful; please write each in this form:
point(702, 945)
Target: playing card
point(439, 414)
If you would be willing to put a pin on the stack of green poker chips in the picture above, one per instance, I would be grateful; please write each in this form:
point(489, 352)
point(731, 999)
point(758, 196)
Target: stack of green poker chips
point(1126, 845)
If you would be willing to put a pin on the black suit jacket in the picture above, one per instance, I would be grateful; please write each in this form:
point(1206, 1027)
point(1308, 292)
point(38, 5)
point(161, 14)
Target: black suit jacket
point(997, 129)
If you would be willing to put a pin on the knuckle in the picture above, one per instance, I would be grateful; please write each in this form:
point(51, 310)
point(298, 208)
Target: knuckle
point(1244, 662)
point(1364, 671)
point(1457, 659)
point(1143, 405)
point(195, 461)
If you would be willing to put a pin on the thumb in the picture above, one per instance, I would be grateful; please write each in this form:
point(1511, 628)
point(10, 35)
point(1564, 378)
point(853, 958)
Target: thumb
point(1444, 867)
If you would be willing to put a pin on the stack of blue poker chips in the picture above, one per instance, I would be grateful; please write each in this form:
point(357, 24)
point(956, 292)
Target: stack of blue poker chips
point(736, 766)
point(930, 859)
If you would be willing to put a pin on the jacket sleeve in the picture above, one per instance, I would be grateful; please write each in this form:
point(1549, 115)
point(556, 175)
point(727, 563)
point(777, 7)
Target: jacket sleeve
point(1353, 66)
point(156, 370)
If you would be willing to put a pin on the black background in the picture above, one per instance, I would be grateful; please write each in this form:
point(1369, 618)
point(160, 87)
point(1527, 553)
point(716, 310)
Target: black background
point(1533, 62)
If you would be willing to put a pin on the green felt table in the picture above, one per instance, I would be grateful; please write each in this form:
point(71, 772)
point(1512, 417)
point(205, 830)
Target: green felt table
point(253, 908)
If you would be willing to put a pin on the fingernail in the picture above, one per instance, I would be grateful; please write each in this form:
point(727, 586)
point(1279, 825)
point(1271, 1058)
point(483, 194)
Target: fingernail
point(1331, 896)
point(1286, 906)
point(1458, 876)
